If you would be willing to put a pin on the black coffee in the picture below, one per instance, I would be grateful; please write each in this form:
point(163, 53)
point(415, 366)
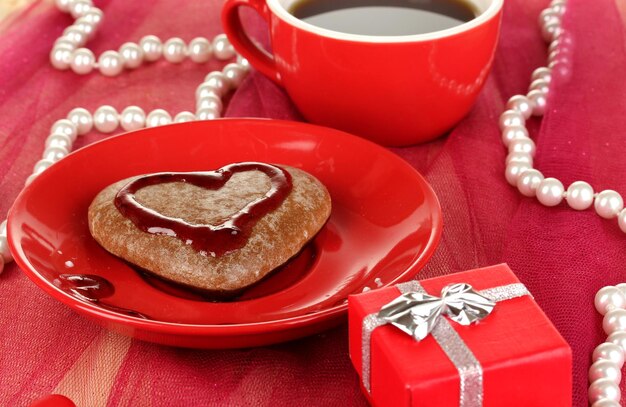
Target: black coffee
point(384, 17)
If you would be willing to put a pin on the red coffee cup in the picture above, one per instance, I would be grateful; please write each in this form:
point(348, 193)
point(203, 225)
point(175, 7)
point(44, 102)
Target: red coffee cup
point(394, 90)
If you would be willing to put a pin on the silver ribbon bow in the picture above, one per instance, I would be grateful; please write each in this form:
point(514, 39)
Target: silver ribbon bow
point(417, 313)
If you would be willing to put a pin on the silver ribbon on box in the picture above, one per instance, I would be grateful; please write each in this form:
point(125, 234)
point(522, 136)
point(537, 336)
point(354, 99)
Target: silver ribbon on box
point(419, 314)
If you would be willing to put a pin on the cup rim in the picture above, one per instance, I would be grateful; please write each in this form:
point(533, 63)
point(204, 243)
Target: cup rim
point(488, 14)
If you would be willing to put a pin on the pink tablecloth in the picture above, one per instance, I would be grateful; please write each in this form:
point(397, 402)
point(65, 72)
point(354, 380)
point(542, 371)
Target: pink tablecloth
point(562, 256)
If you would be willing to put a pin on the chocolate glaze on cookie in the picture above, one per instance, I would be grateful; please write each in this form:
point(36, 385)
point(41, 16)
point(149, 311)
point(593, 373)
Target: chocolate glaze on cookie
point(216, 240)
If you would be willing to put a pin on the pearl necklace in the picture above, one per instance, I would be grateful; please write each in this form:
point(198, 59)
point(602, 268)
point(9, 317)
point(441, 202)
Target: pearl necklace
point(68, 53)
point(519, 162)
point(605, 373)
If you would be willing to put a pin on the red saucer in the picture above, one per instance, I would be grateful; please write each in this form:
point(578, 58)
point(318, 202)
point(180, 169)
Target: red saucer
point(385, 225)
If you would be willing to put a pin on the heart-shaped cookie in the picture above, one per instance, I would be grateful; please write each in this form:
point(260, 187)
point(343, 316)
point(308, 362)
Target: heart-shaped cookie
point(218, 231)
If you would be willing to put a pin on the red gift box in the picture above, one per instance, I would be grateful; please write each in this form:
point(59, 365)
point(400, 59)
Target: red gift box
point(525, 361)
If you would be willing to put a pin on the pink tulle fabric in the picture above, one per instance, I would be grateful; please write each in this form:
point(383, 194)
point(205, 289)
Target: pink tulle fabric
point(563, 256)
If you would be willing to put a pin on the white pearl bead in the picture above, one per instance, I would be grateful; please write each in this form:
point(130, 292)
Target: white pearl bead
point(132, 118)
point(548, 15)
point(609, 351)
point(550, 192)
point(30, 179)
point(521, 104)
point(183, 117)
point(3, 228)
point(218, 81)
point(5, 252)
point(513, 171)
point(110, 63)
point(93, 16)
point(132, 55)
point(222, 49)
point(556, 55)
point(540, 85)
point(2, 260)
point(621, 220)
point(619, 339)
point(606, 403)
point(529, 181)
point(64, 42)
point(608, 204)
point(174, 50)
point(522, 145)
point(550, 30)
point(158, 117)
point(605, 369)
point(553, 62)
point(152, 47)
point(200, 50)
point(88, 29)
point(106, 119)
point(543, 73)
point(538, 101)
point(83, 61)
point(558, 32)
point(235, 74)
point(55, 153)
point(75, 36)
point(64, 126)
point(608, 298)
point(42, 165)
point(615, 319)
point(511, 118)
point(554, 45)
point(562, 70)
point(82, 120)
point(579, 195)
point(206, 90)
point(244, 63)
point(559, 9)
point(563, 43)
point(513, 132)
point(61, 56)
point(209, 102)
point(59, 140)
point(70, 41)
point(603, 389)
point(622, 287)
point(79, 8)
point(63, 5)
point(519, 158)
point(562, 61)
point(207, 114)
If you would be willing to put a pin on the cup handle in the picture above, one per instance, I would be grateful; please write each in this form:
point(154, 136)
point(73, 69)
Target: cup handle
point(258, 57)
